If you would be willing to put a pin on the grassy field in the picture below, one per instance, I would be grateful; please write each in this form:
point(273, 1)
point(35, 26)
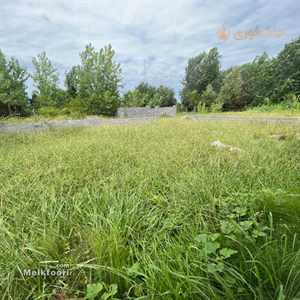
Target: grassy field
point(151, 211)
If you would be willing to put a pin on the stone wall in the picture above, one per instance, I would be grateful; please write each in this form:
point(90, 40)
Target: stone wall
point(136, 112)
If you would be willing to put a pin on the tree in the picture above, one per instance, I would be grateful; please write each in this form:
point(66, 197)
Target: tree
point(287, 73)
point(201, 70)
point(147, 95)
point(72, 81)
point(209, 96)
point(166, 96)
point(258, 79)
point(97, 80)
point(45, 79)
point(4, 82)
point(132, 99)
point(192, 99)
point(12, 85)
point(232, 94)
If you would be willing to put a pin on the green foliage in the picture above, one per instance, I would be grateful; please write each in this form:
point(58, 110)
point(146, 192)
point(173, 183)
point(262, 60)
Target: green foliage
point(209, 96)
point(147, 95)
point(45, 78)
point(166, 96)
point(258, 79)
point(12, 86)
point(97, 80)
point(232, 92)
point(141, 96)
point(201, 108)
point(106, 103)
point(72, 82)
point(217, 106)
point(264, 77)
point(288, 70)
point(201, 71)
point(49, 111)
point(75, 107)
point(93, 290)
point(290, 103)
point(193, 98)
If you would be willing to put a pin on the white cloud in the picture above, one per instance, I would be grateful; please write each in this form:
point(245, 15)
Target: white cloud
point(153, 38)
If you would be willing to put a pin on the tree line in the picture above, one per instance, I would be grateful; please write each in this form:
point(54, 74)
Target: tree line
point(93, 86)
point(264, 80)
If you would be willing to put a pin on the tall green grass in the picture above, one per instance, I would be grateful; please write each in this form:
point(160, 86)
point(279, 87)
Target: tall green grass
point(290, 107)
point(151, 211)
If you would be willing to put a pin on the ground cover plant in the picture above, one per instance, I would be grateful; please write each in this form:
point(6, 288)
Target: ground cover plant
point(152, 211)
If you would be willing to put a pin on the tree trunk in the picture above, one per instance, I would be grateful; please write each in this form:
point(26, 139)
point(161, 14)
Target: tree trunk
point(9, 109)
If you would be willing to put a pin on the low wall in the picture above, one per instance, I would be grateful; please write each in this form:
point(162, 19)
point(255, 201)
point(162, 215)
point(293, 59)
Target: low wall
point(135, 112)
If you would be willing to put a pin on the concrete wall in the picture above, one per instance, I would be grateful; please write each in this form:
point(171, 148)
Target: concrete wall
point(136, 112)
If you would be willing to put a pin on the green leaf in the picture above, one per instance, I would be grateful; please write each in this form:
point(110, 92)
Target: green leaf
point(93, 290)
point(281, 295)
point(246, 225)
point(213, 268)
point(214, 236)
point(212, 247)
point(227, 227)
point(202, 238)
point(113, 289)
point(134, 270)
point(227, 252)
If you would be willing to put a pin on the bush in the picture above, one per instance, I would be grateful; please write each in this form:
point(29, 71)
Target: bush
point(201, 107)
point(217, 106)
point(104, 104)
point(75, 108)
point(49, 111)
point(179, 108)
point(209, 96)
point(290, 103)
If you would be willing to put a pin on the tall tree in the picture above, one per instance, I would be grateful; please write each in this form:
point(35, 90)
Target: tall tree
point(258, 79)
point(288, 70)
point(201, 71)
point(72, 81)
point(4, 82)
point(209, 96)
point(232, 93)
point(98, 79)
point(147, 95)
point(166, 96)
point(45, 79)
point(142, 95)
point(17, 89)
point(12, 85)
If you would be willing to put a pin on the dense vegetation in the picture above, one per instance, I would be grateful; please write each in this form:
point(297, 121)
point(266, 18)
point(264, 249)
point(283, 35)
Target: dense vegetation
point(264, 81)
point(152, 212)
point(93, 87)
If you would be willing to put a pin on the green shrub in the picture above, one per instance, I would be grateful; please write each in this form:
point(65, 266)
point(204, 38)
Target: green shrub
point(49, 111)
point(216, 106)
point(208, 96)
point(75, 108)
point(103, 104)
point(201, 108)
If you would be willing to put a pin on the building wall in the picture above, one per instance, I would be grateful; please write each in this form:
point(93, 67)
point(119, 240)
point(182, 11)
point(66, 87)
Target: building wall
point(135, 112)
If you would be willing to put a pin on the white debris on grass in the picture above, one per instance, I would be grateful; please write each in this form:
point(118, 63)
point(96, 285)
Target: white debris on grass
point(220, 145)
point(279, 137)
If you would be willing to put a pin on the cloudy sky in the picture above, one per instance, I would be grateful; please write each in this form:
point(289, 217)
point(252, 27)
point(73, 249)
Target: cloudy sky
point(153, 39)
